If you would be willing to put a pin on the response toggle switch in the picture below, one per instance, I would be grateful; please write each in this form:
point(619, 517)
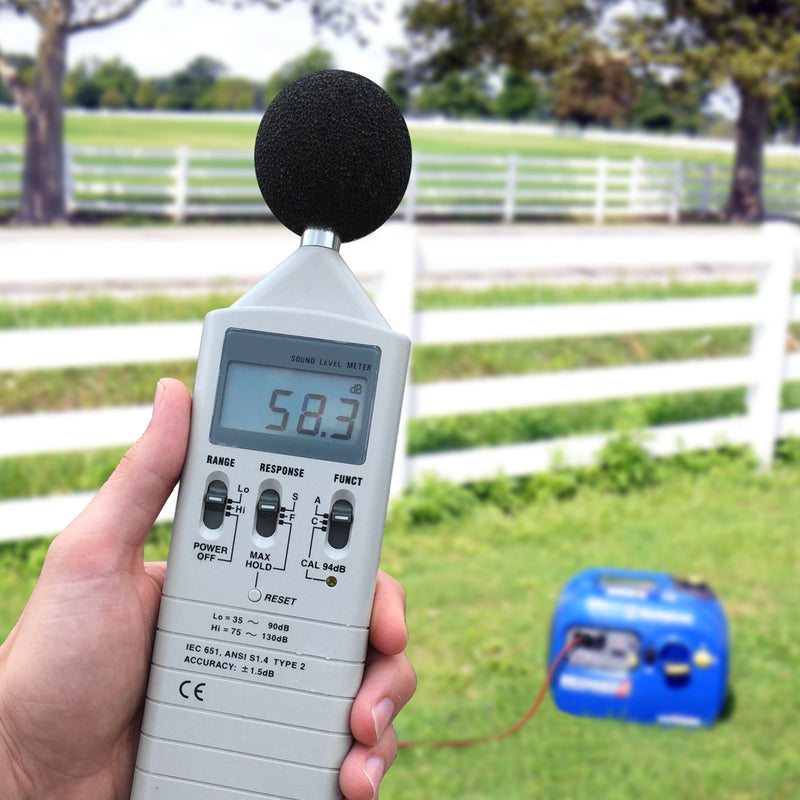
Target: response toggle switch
point(214, 504)
point(267, 510)
point(341, 520)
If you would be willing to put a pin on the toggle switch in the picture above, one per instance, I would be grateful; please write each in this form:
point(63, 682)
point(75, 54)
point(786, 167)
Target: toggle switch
point(267, 510)
point(341, 520)
point(214, 504)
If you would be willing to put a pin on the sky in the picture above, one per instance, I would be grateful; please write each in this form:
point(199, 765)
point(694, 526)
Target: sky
point(163, 36)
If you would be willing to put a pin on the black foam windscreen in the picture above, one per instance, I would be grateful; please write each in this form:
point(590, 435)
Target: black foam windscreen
point(333, 152)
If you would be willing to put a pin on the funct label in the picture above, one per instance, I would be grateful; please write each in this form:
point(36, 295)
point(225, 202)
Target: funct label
point(347, 480)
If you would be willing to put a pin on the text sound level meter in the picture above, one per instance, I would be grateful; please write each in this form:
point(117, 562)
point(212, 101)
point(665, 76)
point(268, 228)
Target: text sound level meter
point(263, 627)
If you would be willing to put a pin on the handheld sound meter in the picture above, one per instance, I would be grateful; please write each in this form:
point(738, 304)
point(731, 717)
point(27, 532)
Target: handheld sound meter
point(263, 627)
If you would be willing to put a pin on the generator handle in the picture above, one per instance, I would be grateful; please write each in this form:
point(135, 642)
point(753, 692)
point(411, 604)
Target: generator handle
point(615, 581)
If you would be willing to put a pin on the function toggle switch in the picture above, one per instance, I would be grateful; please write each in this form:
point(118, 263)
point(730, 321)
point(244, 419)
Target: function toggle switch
point(267, 510)
point(214, 504)
point(341, 520)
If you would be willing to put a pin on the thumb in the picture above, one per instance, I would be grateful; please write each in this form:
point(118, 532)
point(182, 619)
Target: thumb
point(126, 506)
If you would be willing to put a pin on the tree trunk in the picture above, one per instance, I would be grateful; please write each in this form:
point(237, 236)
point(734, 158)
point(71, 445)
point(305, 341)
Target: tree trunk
point(43, 177)
point(745, 202)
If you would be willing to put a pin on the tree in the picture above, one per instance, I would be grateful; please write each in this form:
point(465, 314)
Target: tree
point(314, 60)
point(670, 104)
point(784, 113)
point(397, 83)
point(118, 80)
point(457, 95)
point(79, 86)
point(195, 80)
point(42, 100)
point(520, 95)
point(229, 94)
point(599, 88)
point(146, 95)
point(755, 45)
point(101, 84)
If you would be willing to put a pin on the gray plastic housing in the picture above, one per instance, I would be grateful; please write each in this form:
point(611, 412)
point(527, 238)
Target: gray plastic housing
point(261, 640)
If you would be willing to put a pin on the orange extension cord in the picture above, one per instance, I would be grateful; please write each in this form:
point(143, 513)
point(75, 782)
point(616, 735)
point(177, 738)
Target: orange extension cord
point(512, 730)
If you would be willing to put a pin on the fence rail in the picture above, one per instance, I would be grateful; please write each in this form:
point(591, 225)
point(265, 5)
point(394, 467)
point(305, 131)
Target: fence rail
point(768, 312)
point(184, 183)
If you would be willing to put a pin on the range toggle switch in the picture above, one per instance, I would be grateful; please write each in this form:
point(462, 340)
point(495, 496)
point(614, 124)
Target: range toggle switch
point(214, 504)
point(267, 510)
point(341, 520)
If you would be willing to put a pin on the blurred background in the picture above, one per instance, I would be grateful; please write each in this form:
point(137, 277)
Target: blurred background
point(596, 259)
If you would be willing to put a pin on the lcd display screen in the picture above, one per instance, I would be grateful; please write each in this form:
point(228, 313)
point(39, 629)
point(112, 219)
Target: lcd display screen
point(319, 407)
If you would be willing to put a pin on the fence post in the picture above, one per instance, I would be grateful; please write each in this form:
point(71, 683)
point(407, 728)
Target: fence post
point(600, 190)
point(634, 187)
point(705, 200)
point(411, 193)
point(181, 183)
point(677, 193)
point(395, 299)
point(768, 350)
point(68, 179)
point(511, 188)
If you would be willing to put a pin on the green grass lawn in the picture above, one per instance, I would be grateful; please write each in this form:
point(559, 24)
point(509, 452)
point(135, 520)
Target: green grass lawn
point(481, 592)
point(481, 595)
point(239, 134)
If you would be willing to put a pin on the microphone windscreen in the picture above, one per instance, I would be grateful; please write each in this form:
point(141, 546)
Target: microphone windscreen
point(333, 152)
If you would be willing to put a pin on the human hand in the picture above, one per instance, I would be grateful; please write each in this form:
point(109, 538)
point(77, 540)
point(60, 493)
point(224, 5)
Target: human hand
point(73, 671)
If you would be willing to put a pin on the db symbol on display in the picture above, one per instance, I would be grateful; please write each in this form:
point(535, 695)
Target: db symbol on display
point(186, 687)
point(355, 388)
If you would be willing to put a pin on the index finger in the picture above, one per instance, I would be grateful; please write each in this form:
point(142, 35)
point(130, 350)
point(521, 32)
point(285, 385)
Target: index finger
point(131, 499)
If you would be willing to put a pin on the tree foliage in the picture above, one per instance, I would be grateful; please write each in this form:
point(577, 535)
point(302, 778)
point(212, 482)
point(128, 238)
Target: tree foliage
point(529, 35)
point(785, 111)
point(754, 44)
point(598, 89)
point(101, 84)
point(315, 59)
point(195, 81)
point(229, 93)
point(457, 95)
point(520, 96)
point(670, 105)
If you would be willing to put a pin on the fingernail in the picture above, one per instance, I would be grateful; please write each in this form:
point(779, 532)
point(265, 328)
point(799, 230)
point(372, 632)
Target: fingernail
point(382, 715)
point(160, 391)
point(374, 770)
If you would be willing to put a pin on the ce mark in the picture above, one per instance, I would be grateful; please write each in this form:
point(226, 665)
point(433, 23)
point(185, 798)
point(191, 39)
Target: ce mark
point(186, 686)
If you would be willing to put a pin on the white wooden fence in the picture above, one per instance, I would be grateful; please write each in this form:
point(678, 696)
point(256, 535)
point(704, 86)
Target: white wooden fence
point(403, 258)
point(186, 183)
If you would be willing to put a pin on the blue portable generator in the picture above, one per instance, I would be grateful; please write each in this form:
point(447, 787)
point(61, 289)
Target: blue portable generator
point(652, 648)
